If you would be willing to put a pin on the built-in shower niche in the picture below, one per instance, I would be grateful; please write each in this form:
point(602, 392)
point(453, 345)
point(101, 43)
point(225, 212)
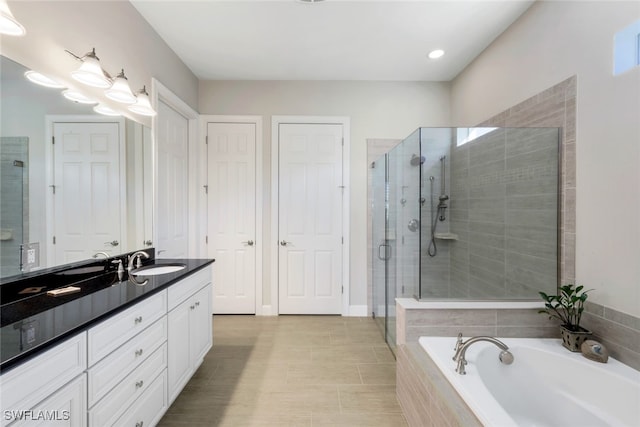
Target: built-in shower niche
point(471, 214)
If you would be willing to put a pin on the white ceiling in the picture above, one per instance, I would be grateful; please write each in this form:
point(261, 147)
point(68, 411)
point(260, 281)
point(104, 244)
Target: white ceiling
point(331, 40)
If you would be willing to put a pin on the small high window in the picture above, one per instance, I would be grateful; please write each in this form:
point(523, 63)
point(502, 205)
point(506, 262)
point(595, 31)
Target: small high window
point(626, 48)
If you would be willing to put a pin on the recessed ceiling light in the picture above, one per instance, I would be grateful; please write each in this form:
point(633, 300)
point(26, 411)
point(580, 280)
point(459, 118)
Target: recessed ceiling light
point(309, 1)
point(435, 54)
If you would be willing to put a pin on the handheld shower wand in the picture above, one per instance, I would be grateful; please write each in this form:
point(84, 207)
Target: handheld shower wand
point(443, 196)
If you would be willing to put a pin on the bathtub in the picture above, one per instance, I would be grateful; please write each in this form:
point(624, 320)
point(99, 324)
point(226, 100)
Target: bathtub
point(545, 386)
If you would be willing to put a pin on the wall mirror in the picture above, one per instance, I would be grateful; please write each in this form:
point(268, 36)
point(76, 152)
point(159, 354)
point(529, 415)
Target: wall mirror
point(72, 182)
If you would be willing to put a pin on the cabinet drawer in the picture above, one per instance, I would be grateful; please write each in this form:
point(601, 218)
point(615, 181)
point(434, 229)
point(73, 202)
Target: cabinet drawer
point(189, 286)
point(115, 331)
point(67, 407)
point(149, 408)
point(104, 375)
point(116, 402)
point(27, 385)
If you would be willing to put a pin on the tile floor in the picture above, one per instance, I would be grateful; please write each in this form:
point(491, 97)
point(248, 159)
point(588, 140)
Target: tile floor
point(292, 371)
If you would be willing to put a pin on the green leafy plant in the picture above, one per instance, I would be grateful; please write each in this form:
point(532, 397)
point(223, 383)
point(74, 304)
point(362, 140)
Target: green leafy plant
point(567, 306)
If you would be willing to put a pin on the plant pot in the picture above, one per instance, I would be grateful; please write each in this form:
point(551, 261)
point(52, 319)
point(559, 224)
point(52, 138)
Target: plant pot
point(573, 339)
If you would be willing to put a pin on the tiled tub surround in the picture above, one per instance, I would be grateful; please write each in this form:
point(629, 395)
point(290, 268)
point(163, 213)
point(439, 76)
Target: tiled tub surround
point(545, 384)
point(426, 397)
point(619, 332)
point(447, 319)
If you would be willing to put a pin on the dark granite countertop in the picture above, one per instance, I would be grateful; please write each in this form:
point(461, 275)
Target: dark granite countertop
point(33, 321)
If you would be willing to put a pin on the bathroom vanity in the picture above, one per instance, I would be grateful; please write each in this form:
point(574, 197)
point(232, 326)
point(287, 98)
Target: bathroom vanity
point(116, 352)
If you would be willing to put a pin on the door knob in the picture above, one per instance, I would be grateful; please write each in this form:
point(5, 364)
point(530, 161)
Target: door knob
point(248, 242)
point(112, 243)
point(284, 243)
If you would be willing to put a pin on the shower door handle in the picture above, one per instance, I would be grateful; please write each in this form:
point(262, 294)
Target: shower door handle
point(387, 252)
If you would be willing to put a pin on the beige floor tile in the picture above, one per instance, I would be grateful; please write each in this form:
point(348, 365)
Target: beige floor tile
point(344, 353)
point(378, 373)
point(368, 399)
point(384, 355)
point(357, 420)
point(323, 373)
point(291, 371)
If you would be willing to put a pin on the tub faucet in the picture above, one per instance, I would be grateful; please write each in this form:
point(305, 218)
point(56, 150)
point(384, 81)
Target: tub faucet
point(505, 355)
point(136, 256)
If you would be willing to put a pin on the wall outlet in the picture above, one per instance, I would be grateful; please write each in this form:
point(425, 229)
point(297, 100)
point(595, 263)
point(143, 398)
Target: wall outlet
point(30, 256)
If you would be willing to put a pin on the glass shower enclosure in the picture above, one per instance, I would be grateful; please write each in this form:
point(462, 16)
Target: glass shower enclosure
point(465, 214)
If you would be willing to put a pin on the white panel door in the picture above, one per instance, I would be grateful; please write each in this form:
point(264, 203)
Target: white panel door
point(232, 216)
point(87, 200)
point(310, 219)
point(173, 184)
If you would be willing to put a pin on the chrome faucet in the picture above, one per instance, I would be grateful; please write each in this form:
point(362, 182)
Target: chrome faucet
point(136, 257)
point(104, 254)
point(461, 349)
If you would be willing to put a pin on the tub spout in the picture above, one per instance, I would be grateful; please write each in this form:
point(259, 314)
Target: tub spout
point(506, 357)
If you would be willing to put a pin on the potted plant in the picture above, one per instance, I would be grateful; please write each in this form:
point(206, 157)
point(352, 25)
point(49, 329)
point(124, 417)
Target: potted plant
point(567, 307)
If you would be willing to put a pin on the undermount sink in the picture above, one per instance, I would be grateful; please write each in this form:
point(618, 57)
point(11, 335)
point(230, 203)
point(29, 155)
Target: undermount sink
point(156, 269)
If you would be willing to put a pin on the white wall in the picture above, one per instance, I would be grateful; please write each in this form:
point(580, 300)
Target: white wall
point(550, 42)
point(376, 109)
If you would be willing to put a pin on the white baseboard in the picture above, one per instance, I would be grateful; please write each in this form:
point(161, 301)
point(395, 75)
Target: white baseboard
point(265, 310)
point(358, 311)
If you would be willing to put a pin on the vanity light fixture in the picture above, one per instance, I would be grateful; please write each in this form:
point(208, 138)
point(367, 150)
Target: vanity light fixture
point(8, 24)
point(90, 72)
point(120, 90)
point(42, 80)
point(78, 97)
point(105, 110)
point(143, 104)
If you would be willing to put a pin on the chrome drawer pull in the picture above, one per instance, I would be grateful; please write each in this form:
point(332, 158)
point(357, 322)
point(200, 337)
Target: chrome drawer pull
point(139, 352)
point(139, 384)
point(138, 319)
point(197, 303)
point(192, 307)
point(139, 423)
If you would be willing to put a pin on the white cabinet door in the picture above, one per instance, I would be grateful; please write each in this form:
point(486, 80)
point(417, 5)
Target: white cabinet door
point(178, 358)
point(65, 408)
point(27, 385)
point(190, 338)
point(201, 325)
point(310, 219)
point(232, 215)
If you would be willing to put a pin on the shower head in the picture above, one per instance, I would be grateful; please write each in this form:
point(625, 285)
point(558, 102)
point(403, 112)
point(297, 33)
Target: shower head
point(416, 160)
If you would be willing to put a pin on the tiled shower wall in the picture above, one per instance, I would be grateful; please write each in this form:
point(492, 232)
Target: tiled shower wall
point(14, 205)
point(556, 107)
point(504, 198)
